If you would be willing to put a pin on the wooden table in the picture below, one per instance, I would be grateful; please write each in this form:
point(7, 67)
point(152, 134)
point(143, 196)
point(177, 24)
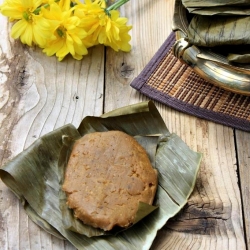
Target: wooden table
point(39, 94)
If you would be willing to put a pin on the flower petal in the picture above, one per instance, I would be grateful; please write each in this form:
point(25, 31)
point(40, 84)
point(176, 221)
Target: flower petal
point(18, 28)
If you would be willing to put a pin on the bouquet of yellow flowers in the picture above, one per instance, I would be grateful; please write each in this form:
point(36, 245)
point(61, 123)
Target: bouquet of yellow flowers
point(62, 27)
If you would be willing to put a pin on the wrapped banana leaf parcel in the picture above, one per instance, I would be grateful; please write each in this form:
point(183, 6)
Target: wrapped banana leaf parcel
point(36, 175)
point(221, 25)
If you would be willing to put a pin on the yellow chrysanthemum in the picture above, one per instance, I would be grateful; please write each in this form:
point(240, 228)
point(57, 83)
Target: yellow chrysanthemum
point(115, 33)
point(68, 35)
point(64, 27)
point(30, 27)
point(103, 27)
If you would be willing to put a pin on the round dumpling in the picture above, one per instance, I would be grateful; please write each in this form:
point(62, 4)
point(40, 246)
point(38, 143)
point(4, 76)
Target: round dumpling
point(108, 173)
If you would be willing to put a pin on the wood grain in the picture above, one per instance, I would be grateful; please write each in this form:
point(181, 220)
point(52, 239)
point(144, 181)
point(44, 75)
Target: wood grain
point(151, 21)
point(39, 94)
point(212, 218)
point(243, 153)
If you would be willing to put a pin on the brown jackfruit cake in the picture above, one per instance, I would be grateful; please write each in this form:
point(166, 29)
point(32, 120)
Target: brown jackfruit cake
point(108, 173)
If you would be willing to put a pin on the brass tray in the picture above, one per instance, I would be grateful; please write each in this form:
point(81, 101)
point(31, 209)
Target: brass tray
point(211, 66)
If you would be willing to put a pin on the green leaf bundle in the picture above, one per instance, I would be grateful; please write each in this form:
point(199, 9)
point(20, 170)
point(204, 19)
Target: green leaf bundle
point(35, 176)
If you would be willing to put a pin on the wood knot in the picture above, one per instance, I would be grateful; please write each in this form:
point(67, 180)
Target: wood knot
point(76, 97)
point(126, 71)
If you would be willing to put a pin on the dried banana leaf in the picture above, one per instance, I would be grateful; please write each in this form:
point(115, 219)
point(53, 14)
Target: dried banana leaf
point(224, 10)
point(237, 58)
point(35, 175)
point(217, 31)
point(211, 3)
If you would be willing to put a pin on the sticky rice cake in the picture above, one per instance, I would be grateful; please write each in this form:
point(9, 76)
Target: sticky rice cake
point(108, 173)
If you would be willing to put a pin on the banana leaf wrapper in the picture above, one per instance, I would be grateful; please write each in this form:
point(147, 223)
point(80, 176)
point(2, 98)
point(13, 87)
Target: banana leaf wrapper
point(220, 10)
point(213, 3)
point(217, 31)
point(35, 176)
point(239, 58)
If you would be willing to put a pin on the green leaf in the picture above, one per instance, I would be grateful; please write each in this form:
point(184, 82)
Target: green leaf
point(239, 58)
point(36, 174)
point(224, 10)
point(210, 3)
point(219, 30)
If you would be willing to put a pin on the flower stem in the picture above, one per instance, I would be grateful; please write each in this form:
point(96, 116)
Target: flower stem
point(116, 5)
point(37, 10)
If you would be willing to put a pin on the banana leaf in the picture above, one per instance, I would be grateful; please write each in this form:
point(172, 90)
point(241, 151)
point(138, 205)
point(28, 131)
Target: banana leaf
point(221, 10)
point(217, 31)
point(212, 3)
point(35, 176)
point(238, 58)
point(217, 54)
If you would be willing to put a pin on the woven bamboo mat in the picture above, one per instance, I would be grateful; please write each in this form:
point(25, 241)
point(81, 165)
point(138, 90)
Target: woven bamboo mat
point(167, 80)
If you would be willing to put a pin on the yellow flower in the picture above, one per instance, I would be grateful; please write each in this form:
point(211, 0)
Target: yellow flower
point(63, 27)
point(103, 27)
point(68, 34)
point(30, 27)
point(115, 32)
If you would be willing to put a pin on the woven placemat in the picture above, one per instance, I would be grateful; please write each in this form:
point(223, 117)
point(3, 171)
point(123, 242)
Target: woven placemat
point(167, 80)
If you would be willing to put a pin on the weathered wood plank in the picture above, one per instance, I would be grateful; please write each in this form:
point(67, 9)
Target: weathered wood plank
point(212, 219)
point(243, 151)
point(151, 22)
point(39, 94)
